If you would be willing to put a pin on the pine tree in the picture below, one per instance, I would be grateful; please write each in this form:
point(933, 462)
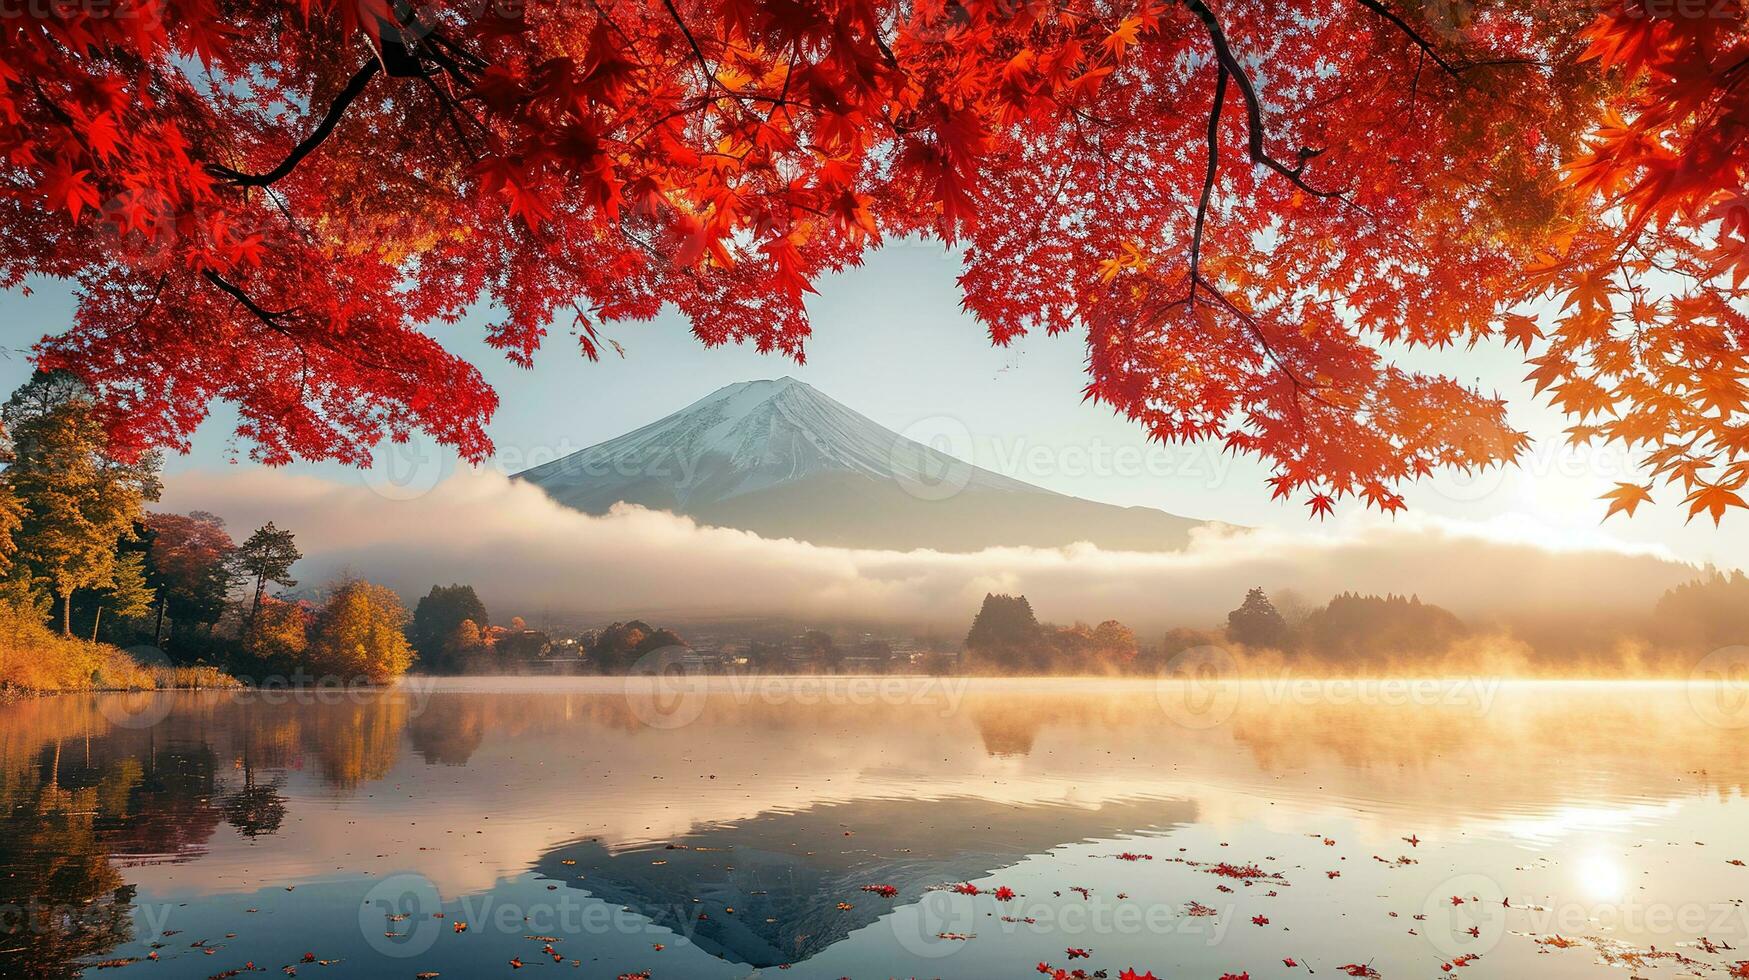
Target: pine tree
point(1256, 623)
point(268, 556)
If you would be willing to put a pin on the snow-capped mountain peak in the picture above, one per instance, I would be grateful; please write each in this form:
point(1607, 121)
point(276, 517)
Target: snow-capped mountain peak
point(780, 458)
point(749, 436)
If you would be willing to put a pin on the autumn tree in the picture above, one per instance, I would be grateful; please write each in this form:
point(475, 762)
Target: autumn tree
point(359, 633)
point(1256, 623)
point(1246, 208)
point(617, 647)
point(275, 638)
point(191, 560)
point(267, 556)
point(77, 500)
point(125, 592)
point(467, 638)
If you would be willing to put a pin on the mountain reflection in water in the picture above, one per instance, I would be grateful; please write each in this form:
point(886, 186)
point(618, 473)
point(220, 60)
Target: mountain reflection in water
point(259, 824)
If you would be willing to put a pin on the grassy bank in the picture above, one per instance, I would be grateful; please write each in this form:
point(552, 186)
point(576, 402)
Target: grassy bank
point(36, 660)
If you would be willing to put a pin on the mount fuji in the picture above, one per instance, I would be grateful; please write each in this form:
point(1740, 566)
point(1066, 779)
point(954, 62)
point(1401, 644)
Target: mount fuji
point(782, 460)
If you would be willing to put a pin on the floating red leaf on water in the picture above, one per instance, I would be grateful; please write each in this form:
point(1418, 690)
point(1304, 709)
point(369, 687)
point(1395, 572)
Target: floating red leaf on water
point(884, 891)
point(1236, 976)
point(1359, 970)
point(515, 963)
point(1558, 942)
point(1077, 953)
point(1258, 920)
point(1128, 856)
point(1131, 974)
point(1289, 962)
point(1245, 872)
point(1003, 893)
point(1412, 840)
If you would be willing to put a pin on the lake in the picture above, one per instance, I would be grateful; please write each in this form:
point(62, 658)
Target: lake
point(880, 827)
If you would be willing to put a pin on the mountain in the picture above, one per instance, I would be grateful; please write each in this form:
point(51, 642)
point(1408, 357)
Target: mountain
point(782, 460)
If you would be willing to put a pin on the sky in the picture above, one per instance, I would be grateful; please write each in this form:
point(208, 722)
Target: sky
point(891, 342)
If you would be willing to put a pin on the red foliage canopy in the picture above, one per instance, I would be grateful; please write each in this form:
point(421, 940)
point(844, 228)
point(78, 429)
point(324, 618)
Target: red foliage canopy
point(1245, 205)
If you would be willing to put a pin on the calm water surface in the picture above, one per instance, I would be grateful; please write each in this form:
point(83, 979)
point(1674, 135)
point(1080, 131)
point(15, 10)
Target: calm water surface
point(606, 828)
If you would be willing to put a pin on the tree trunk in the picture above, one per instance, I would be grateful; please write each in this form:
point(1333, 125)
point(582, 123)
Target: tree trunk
point(67, 614)
point(95, 620)
point(158, 627)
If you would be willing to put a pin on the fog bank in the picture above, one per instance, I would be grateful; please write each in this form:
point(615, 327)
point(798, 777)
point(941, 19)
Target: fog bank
point(526, 555)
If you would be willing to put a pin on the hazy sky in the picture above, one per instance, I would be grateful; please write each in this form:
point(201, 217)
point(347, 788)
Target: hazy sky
point(891, 342)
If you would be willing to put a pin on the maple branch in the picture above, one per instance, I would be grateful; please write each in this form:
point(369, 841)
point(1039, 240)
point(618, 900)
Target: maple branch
point(269, 317)
point(1253, 106)
point(704, 65)
point(353, 88)
point(1300, 385)
point(1208, 181)
point(1426, 47)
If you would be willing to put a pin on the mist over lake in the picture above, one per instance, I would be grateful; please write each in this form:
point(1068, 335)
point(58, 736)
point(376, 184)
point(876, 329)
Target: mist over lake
point(879, 826)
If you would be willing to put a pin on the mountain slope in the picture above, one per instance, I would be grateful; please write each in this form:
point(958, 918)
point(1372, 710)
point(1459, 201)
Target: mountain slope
point(783, 460)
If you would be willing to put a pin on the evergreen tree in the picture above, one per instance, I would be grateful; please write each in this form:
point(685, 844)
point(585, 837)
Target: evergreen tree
point(1256, 623)
point(78, 501)
point(437, 621)
point(1005, 633)
point(266, 557)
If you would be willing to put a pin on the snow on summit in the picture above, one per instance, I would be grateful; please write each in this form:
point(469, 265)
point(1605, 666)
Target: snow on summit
point(778, 457)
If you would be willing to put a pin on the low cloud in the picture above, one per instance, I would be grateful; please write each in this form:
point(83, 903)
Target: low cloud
point(527, 555)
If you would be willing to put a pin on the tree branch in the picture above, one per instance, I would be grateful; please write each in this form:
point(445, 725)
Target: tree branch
point(1208, 181)
point(1253, 105)
point(269, 317)
point(353, 88)
point(1426, 47)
